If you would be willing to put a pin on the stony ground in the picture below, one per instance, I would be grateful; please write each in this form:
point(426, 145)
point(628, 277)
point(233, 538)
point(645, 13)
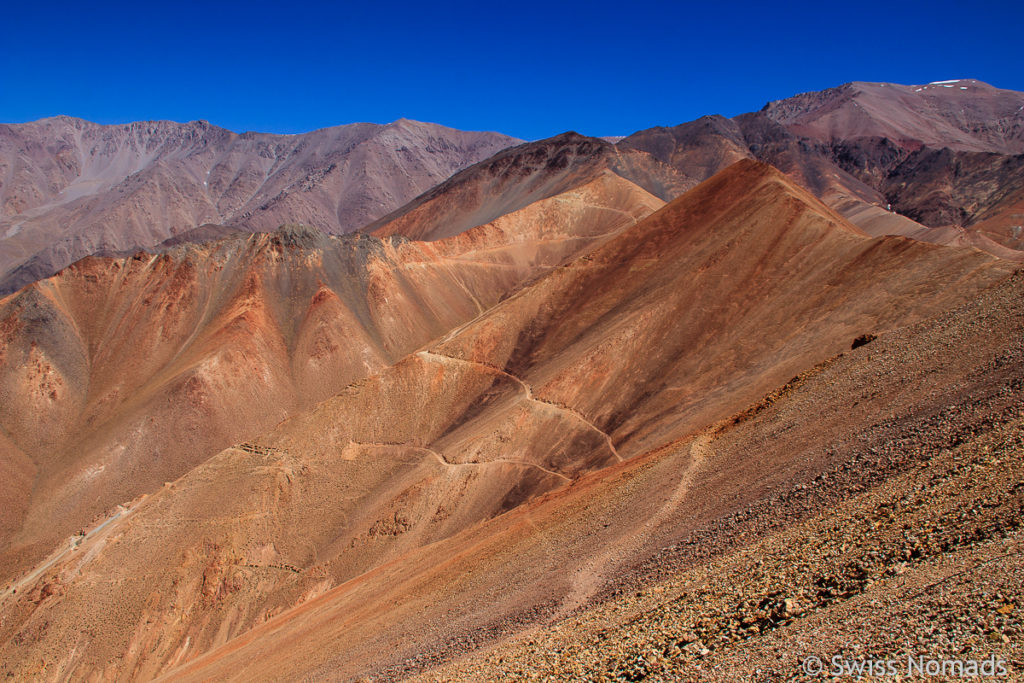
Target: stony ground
point(929, 563)
point(910, 547)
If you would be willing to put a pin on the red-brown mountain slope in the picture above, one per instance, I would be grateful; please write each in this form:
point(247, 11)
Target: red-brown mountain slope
point(120, 374)
point(923, 161)
point(381, 495)
point(871, 504)
point(519, 176)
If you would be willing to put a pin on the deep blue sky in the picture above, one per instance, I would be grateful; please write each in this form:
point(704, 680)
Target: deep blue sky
point(529, 69)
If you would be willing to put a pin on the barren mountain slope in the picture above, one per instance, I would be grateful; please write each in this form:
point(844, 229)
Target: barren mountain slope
point(69, 188)
point(869, 508)
point(883, 416)
point(519, 176)
point(698, 148)
point(703, 147)
point(893, 159)
point(930, 195)
point(943, 187)
point(942, 154)
point(680, 321)
point(721, 279)
point(1004, 223)
point(120, 374)
point(961, 114)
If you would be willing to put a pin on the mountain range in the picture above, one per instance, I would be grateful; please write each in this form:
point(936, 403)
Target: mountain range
point(70, 188)
point(388, 402)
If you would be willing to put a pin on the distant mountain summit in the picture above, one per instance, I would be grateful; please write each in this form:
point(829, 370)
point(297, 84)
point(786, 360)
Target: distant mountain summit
point(940, 162)
point(963, 115)
point(69, 188)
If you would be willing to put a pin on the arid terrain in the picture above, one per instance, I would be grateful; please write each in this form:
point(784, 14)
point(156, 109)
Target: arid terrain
point(70, 188)
point(695, 404)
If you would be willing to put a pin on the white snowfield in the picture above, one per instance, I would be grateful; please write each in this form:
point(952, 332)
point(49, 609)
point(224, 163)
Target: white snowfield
point(946, 84)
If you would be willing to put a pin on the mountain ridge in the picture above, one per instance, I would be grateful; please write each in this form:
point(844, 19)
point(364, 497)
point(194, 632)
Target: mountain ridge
point(846, 143)
point(69, 187)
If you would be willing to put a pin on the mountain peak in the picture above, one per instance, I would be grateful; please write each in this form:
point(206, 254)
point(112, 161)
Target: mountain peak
point(963, 114)
point(753, 183)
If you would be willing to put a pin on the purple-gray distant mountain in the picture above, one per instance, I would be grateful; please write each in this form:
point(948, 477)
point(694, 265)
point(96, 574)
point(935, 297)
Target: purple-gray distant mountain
point(70, 187)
